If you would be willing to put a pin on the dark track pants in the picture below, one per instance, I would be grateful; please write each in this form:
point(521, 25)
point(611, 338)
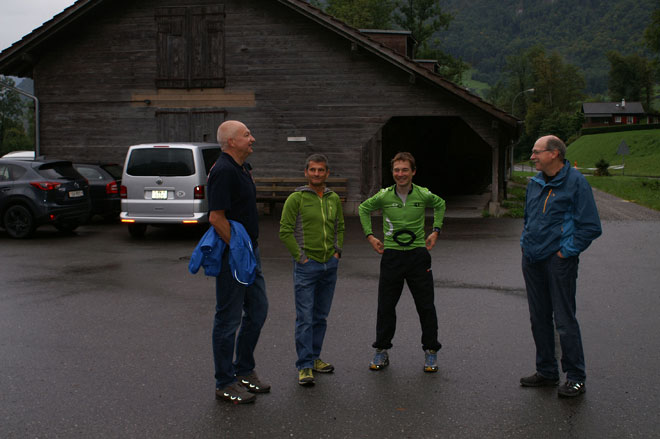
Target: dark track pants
point(413, 266)
point(551, 288)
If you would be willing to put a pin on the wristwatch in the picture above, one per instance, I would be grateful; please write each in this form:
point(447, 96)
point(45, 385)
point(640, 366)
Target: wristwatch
point(436, 229)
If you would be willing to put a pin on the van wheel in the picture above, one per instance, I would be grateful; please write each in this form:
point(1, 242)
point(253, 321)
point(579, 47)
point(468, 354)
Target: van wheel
point(19, 222)
point(137, 230)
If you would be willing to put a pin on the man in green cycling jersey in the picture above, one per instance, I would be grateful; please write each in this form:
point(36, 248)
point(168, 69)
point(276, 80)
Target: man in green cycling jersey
point(405, 256)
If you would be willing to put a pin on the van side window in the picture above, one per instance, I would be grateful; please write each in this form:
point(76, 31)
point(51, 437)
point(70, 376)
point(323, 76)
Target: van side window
point(161, 162)
point(210, 155)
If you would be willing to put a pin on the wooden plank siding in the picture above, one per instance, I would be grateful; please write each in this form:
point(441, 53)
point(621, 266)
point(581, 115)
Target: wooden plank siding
point(296, 79)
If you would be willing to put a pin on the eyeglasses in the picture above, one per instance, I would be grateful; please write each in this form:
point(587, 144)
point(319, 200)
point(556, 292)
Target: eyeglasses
point(539, 151)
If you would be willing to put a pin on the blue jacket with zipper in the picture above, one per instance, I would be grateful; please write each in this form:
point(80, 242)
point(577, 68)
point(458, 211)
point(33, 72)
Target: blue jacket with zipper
point(211, 247)
point(559, 215)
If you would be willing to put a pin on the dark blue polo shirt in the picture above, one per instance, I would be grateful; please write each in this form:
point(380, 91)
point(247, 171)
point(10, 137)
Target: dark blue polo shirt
point(231, 188)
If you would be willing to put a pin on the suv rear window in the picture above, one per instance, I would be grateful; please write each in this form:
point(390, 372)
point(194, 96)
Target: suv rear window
point(114, 170)
point(58, 171)
point(161, 162)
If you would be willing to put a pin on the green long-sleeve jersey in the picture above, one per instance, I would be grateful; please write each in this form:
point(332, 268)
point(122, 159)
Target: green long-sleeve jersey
point(399, 218)
point(312, 226)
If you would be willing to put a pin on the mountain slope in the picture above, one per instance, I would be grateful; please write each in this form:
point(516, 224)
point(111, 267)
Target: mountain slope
point(484, 32)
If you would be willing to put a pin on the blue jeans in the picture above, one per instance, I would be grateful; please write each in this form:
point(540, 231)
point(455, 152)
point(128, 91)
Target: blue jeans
point(237, 306)
point(314, 287)
point(551, 288)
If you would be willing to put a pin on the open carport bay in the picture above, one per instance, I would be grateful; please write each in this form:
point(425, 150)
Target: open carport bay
point(104, 336)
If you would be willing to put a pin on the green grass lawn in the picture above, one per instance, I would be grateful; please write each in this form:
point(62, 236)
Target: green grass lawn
point(643, 191)
point(643, 160)
point(629, 184)
point(478, 87)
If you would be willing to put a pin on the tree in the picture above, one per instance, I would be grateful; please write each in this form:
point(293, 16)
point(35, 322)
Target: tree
point(652, 39)
point(423, 18)
point(652, 32)
point(559, 93)
point(553, 107)
point(631, 78)
point(12, 109)
point(362, 14)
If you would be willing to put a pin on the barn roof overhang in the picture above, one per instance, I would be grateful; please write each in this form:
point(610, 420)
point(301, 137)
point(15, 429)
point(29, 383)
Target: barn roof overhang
point(416, 70)
point(20, 58)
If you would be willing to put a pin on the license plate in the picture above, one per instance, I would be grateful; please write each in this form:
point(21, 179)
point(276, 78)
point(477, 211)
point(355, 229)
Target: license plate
point(159, 195)
point(76, 194)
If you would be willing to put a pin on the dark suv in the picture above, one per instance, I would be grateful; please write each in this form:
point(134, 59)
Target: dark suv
point(33, 193)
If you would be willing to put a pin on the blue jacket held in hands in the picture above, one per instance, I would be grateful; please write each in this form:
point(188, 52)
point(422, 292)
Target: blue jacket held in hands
point(211, 247)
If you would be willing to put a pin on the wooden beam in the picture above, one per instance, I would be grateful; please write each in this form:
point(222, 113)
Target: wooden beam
point(194, 98)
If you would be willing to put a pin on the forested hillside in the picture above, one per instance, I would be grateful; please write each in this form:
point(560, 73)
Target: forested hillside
point(484, 32)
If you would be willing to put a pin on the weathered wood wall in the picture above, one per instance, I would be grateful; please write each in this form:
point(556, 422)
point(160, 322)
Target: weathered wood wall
point(293, 78)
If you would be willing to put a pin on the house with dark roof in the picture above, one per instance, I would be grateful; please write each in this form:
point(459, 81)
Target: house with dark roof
point(109, 74)
point(613, 113)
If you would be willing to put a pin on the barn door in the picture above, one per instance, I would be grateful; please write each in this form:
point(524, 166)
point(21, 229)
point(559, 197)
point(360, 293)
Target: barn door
point(184, 125)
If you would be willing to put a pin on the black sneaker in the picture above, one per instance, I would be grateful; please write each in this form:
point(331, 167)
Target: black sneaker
point(537, 380)
point(234, 393)
point(572, 388)
point(252, 383)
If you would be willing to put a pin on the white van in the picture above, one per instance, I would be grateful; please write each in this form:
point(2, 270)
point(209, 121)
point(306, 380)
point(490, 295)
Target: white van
point(165, 183)
point(19, 155)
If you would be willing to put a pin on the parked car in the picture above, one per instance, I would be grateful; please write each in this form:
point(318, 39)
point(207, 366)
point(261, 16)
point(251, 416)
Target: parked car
point(165, 183)
point(104, 181)
point(33, 193)
point(19, 155)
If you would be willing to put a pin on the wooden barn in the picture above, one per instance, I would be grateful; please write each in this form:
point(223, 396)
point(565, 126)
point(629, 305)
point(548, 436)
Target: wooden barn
point(109, 74)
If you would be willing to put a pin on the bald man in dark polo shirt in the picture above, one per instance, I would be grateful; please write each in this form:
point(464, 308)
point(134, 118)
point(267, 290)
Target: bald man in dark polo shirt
point(239, 308)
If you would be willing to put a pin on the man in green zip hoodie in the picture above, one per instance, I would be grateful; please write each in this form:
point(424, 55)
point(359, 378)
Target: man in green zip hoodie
point(405, 257)
point(312, 229)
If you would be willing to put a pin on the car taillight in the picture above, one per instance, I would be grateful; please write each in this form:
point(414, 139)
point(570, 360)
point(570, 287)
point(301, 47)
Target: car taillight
point(111, 188)
point(45, 185)
point(123, 192)
point(199, 192)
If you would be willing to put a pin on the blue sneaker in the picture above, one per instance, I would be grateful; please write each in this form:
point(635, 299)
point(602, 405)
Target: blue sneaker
point(381, 360)
point(430, 361)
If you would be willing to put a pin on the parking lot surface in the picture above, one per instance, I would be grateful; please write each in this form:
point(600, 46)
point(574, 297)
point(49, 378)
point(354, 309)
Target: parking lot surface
point(104, 336)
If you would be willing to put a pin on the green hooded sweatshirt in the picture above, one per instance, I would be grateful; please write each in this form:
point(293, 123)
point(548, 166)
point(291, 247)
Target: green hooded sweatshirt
point(312, 227)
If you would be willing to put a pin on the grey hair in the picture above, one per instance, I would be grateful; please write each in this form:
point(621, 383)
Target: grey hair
point(554, 143)
point(318, 158)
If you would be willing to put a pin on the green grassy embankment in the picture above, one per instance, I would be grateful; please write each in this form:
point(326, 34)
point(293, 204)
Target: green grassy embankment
point(643, 160)
point(630, 183)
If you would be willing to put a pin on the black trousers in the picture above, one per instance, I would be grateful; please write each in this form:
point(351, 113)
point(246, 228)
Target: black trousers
point(414, 267)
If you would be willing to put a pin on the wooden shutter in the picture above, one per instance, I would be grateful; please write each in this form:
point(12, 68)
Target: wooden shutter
point(207, 48)
point(172, 48)
point(190, 48)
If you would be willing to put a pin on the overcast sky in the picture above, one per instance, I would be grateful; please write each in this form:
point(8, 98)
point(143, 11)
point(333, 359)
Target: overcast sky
point(20, 17)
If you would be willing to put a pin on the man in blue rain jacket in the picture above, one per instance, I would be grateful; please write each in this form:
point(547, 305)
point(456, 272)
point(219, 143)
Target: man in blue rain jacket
point(561, 220)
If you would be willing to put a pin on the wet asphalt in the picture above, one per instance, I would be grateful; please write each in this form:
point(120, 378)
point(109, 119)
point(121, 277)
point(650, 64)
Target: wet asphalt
point(102, 336)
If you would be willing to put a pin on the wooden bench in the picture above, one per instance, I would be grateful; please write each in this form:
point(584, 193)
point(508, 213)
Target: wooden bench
point(271, 190)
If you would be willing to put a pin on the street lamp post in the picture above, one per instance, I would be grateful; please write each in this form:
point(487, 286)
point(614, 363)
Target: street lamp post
point(513, 105)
